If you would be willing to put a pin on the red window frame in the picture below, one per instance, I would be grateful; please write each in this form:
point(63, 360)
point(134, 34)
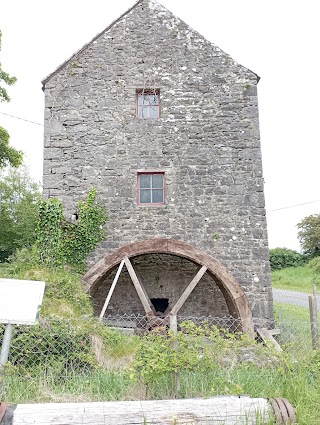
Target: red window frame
point(163, 188)
point(146, 92)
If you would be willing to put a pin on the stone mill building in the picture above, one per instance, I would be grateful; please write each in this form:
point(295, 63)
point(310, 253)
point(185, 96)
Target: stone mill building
point(165, 125)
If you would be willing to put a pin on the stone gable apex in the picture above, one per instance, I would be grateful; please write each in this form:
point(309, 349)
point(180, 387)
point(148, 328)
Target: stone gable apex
point(153, 5)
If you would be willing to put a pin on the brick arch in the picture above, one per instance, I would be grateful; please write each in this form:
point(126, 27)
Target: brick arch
point(234, 295)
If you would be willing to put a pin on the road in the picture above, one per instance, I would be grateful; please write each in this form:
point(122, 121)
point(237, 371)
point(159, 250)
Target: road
point(292, 297)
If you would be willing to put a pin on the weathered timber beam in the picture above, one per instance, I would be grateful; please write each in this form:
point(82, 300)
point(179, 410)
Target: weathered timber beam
point(188, 290)
point(229, 410)
point(145, 300)
point(115, 280)
point(268, 338)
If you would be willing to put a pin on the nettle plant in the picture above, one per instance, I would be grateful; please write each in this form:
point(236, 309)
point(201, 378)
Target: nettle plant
point(60, 242)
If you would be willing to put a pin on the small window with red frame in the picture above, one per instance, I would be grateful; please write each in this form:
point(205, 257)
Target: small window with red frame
point(151, 188)
point(148, 103)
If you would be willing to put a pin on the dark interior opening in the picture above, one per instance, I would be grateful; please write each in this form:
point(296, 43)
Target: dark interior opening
point(160, 304)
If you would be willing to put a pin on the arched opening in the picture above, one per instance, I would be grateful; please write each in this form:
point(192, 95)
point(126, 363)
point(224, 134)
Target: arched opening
point(233, 295)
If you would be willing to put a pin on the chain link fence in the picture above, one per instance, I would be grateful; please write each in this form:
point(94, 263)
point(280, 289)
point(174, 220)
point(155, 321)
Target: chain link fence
point(128, 357)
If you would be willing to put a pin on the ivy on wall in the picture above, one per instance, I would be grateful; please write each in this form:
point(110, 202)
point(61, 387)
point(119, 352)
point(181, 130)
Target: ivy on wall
point(60, 242)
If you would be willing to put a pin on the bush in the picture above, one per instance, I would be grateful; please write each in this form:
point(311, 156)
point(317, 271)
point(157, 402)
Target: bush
point(281, 258)
point(314, 264)
point(62, 345)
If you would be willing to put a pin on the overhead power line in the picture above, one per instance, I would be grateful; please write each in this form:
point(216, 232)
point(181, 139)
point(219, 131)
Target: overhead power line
point(293, 206)
point(276, 209)
point(22, 119)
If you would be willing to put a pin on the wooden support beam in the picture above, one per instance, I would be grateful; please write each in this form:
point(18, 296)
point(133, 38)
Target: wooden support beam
point(268, 338)
point(188, 290)
point(145, 300)
point(115, 280)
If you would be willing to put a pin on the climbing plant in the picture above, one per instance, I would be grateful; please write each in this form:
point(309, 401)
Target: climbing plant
point(80, 239)
point(49, 232)
point(61, 242)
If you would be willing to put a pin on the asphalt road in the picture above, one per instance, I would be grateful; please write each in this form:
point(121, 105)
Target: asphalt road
point(292, 297)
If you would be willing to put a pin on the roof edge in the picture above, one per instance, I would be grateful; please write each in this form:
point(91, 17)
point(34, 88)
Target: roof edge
point(47, 78)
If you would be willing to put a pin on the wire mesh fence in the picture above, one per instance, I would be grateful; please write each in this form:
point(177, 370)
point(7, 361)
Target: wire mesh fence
point(130, 357)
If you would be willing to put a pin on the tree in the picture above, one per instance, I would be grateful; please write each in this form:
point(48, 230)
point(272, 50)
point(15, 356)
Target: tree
point(8, 154)
point(309, 234)
point(19, 197)
point(7, 79)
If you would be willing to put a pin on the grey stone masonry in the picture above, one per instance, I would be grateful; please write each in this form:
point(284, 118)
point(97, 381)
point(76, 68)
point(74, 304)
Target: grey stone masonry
point(206, 142)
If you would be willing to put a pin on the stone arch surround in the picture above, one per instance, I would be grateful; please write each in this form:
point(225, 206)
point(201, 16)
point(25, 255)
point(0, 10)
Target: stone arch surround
point(234, 295)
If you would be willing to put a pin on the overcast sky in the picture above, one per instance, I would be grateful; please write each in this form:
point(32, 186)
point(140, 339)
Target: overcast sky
point(277, 39)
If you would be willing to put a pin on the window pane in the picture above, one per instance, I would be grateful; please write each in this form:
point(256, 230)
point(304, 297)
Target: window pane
point(145, 196)
point(140, 112)
point(154, 111)
point(146, 100)
point(157, 196)
point(145, 181)
point(145, 112)
point(140, 99)
point(157, 181)
point(150, 99)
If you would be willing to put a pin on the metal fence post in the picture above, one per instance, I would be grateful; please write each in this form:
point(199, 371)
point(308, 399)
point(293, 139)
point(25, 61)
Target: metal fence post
point(5, 353)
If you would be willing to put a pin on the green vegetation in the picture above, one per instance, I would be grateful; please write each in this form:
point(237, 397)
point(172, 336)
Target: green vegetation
point(281, 258)
point(309, 235)
point(60, 242)
point(295, 278)
point(8, 154)
point(18, 211)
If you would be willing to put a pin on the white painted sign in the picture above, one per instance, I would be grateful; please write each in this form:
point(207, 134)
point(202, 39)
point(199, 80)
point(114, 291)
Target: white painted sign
point(20, 301)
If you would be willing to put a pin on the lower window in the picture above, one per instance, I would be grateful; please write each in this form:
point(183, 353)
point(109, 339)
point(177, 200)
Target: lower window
point(151, 188)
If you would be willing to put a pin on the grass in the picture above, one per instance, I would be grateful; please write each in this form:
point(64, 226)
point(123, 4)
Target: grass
point(294, 278)
point(290, 312)
point(299, 384)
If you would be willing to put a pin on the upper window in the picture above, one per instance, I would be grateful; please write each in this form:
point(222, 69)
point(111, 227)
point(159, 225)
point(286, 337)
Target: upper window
point(151, 188)
point(148, 103)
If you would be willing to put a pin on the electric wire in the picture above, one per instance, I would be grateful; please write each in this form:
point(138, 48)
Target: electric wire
point(268, 211)
point(22, 119)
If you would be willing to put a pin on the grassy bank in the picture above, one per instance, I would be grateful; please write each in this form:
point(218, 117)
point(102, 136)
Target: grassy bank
point(294, 278)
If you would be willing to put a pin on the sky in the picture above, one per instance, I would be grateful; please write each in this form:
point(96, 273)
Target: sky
point(277, 39)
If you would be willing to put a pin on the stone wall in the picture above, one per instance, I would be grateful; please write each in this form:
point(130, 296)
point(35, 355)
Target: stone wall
point(206, 141)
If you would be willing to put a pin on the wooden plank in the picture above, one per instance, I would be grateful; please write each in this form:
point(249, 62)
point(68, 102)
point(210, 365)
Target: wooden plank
point(145, 300)
point(268, 338)
point(188, 290)
point(115, 280)
point(275, 331)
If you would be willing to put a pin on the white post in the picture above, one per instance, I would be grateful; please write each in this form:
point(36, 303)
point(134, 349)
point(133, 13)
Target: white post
point(175, 346)
point(5, 345)
point(115, 280)
point(5, 354)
